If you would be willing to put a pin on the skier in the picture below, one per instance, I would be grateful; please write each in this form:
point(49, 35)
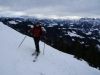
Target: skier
point(37, 32)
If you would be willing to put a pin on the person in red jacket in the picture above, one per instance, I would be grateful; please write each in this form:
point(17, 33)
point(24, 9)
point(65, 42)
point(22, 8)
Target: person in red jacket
point(37, 32)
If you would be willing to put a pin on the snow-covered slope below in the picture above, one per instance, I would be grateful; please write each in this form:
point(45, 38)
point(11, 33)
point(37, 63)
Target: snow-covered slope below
point(14, 61)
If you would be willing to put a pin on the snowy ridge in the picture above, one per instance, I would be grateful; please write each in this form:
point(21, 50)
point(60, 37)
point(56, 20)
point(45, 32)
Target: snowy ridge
point(14, 61)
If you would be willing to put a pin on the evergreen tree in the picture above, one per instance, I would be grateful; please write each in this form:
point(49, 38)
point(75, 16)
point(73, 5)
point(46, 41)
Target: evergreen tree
point(92, 55)
point(60, 45)
point(77, 49)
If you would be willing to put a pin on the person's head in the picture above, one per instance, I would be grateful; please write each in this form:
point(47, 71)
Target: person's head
point(37, 24)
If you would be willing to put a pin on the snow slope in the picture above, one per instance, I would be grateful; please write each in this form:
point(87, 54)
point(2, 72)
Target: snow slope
point(14, 61)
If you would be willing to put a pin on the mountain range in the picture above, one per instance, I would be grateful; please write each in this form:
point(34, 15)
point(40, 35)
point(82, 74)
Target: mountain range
point(86, 30)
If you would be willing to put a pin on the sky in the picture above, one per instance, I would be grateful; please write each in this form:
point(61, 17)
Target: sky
point(51, 8)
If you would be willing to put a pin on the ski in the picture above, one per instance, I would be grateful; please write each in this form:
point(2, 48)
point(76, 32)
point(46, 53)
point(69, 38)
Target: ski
point(35, 59)
point(34, 54)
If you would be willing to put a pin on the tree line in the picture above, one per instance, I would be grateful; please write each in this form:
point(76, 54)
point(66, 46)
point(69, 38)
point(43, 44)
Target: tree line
point(89, 53)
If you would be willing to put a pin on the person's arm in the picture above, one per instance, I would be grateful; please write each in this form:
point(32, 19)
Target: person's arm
point(30, 31)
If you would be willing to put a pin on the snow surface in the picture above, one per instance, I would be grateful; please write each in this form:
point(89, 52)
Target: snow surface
point(89, 33)
point(52, 24)
point(31, 26)
point(12, 22)
point(73, 34)
point(14, 61)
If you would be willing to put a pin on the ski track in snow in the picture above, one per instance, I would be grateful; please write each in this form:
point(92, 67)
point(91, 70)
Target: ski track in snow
point(14, 61)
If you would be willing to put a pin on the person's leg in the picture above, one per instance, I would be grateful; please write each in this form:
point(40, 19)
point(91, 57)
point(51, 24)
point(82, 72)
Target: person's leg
point(36, 40)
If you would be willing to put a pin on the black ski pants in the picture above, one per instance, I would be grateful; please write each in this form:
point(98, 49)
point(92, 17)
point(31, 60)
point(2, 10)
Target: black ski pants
point(36, 41)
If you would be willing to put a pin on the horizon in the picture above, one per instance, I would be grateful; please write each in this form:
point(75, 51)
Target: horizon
point(67, 17)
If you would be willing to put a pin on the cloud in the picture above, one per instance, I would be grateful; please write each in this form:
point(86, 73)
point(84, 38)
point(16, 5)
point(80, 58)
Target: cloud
point(49, 8)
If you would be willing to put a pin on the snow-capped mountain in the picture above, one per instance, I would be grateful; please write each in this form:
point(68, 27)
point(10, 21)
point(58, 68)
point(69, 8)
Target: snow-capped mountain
point(86, 30)
point(14, 61)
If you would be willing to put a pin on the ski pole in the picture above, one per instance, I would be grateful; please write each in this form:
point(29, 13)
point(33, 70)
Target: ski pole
point(43, 48)
point(22, 41)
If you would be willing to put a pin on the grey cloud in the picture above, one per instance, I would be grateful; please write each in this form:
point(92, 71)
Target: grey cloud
point(54, 7)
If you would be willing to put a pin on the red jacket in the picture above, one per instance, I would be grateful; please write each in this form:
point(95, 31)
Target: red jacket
point(37, 32)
